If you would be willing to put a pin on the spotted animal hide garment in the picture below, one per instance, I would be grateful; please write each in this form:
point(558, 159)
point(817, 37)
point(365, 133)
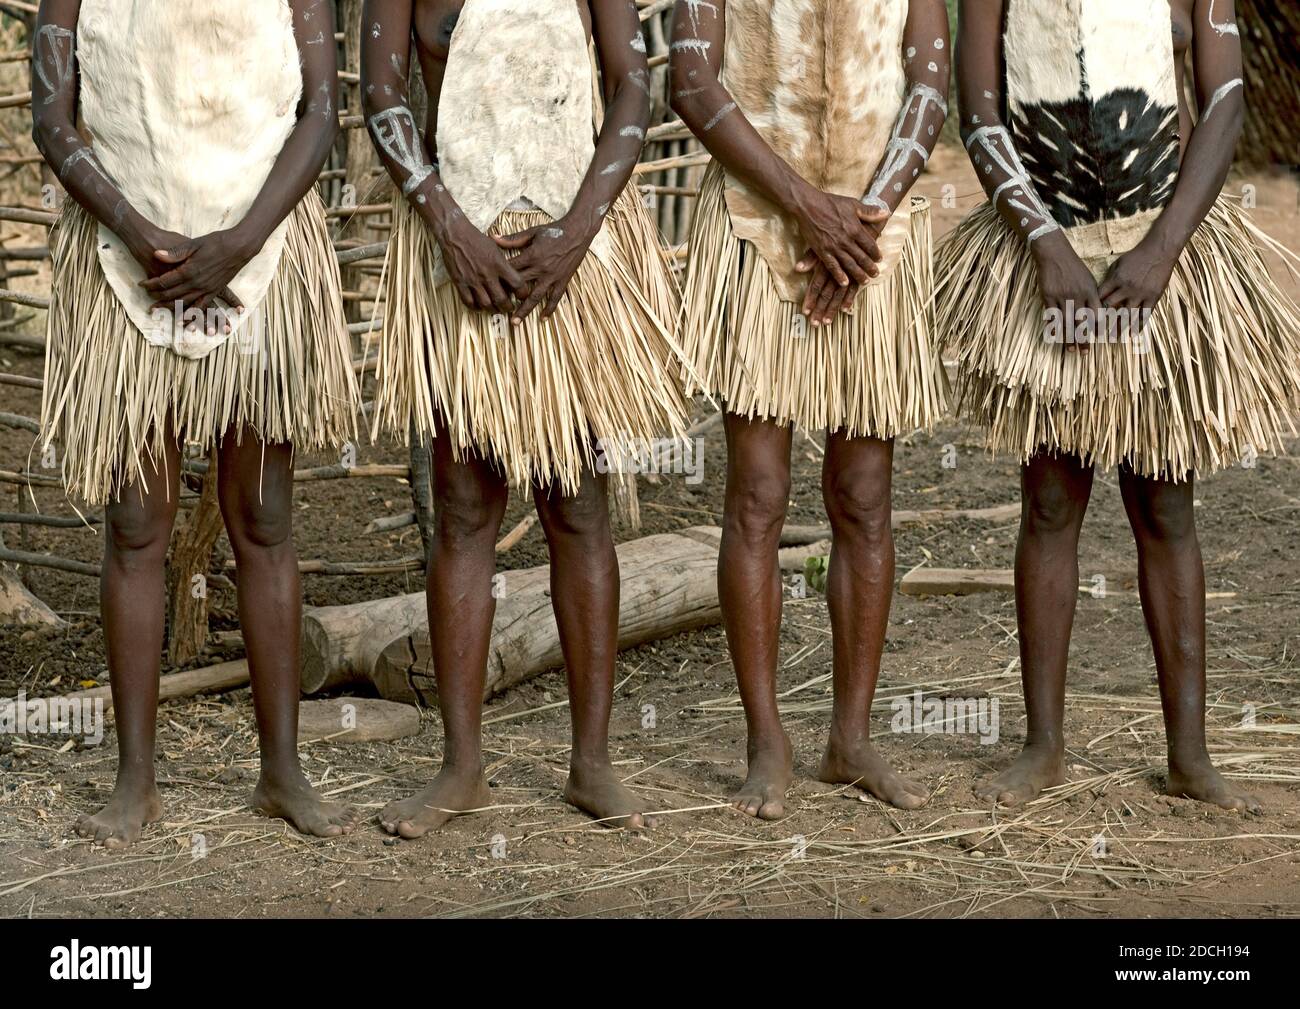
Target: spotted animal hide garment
point(188, 104)
point(515, 112)
point(1094, 113)
point(822, 81)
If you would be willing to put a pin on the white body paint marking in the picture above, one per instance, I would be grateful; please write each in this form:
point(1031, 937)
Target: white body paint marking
point(632, 131)
point(693, 45)
point(54, 60)
point(905, 143)
point(987, 138)
point(693, 11)
point(721, 114)
point(1222, 27)
point(397, 135)
point(1220, 95)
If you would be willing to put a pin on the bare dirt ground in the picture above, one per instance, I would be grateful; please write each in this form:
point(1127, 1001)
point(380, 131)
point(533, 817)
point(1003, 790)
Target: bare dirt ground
point(1107, 843)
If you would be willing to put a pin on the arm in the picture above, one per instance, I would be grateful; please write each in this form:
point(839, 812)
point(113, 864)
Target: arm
point(552, 254)
point(1139, 279)
point(835, 227)
point(54, 114)
point(483, 278)
point(926, 45)
point(204, 266)
point(1062, 276)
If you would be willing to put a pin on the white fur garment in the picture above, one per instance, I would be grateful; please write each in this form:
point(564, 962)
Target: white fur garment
point(188, 103)
point(823, 82)
point(1094, 112)
point(515, 113)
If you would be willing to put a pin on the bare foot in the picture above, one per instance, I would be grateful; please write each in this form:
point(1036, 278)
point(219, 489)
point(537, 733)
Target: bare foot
point(858, 763)
point(119, 823)
point(1201, 781)
point(596, 790)
point(450, 794)
point(1037, 768)
point(292, 798)
point(771, 768)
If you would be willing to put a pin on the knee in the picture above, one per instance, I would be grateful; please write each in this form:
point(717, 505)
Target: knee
point(858, 506)
point(137, 533)
point(1167, 519)
point(1050, 509)
point(582, 515)
point(259, 526)
point(466, 512)
point(757, 503)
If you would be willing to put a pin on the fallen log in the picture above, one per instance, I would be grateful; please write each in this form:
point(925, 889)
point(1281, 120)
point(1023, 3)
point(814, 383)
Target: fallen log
point(669, 585)
point(19, 605)
point(972, 581)
point(207, 680)
point(341, 644)
point(793, 536)
point(956, 581)
point(355, 720)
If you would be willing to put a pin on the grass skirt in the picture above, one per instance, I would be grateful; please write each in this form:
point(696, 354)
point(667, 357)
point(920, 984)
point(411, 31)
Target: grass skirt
point(873, 373)
point(532, 399)
point(1214, 378)
point(111, 397)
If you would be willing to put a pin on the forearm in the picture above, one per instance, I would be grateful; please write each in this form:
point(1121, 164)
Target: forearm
point(54, 101)
point(1201, 179)
point(620, 45)
point(711, 113)
point(988, 141)
point(618, 149)
point(925, 108)
point(295, 171)
point(299, 162)
point(393, 129)
point(1207, 160)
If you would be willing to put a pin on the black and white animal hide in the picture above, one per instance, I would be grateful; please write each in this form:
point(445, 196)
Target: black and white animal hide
point(1093, 104)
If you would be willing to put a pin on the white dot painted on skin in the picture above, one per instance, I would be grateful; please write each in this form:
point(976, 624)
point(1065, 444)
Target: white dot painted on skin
point(938, 43)
point(934, 67)
point(911, 51)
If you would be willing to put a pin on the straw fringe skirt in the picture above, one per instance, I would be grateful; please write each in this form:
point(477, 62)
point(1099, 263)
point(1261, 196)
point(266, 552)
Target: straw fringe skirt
point(1214, 379)
point(873, 373)
point(534, 400)
point(111, 398)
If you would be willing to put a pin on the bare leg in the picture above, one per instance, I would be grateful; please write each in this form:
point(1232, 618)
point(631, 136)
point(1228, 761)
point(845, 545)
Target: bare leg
point(749, 584)
point(1171, 582)
point(856, 486)
point(1054, 493)
point(585, 594)
point(133, 601)
point(469, 500)
point(255, 489)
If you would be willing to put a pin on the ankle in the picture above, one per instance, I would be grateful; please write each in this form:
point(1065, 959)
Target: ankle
point(585, 763)
point(1189, 758)
point(463, 767)
point(1048, 744)
point(767, 740)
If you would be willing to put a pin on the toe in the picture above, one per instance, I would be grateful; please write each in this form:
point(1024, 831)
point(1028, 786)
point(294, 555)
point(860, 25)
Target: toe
point(409, 829)
point(772, 809)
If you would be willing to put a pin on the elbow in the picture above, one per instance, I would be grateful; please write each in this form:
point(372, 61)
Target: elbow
point(44, 133)
point(635, 100)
